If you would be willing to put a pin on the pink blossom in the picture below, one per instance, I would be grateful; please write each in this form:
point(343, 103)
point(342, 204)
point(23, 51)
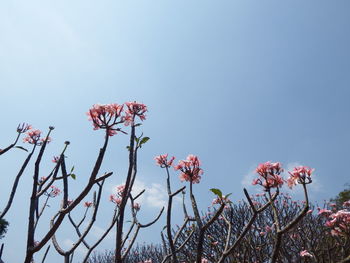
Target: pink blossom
point(135, 109)
point(301, 175)
point(305, 253)
point(106, 116)
point(54, 191)
point(346, 203)
point(190, 170)
point(162, 160)
point(32, 137)
point(204, 260)
point(47, 139)
point(269, 175)
point(87, 204)
point(137, 206)
point(339, 222)
point(221, 200)
point(115, 199)
point(324, 212)
point(120, 189)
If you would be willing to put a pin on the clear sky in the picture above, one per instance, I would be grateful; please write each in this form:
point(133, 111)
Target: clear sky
point(236, 82)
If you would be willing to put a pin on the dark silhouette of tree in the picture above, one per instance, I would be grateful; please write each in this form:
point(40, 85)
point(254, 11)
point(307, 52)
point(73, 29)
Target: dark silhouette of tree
point(3, 227)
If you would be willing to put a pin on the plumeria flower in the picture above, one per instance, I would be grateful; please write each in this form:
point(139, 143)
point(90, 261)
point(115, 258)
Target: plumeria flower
point(32, 137)
point(88, 204)
point(134, 109)
point(300, 175)
point(54, 191)
point(106, 116)
point(269, 175)
point(115, 199)
point(305, 253)
point(162, 160)
point(190, 170)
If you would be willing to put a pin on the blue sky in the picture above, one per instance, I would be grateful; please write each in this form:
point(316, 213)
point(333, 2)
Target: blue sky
point(235, 82)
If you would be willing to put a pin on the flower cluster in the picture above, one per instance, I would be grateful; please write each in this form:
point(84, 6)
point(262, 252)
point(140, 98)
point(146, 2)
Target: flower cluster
point(117, 198)
point(301, 175)
point(269, 175)
point(190, 170)
point(54, 191)
point(162, 160)
point(339, 222)
point(32, 137)
point(220, 200)
point(108, 116)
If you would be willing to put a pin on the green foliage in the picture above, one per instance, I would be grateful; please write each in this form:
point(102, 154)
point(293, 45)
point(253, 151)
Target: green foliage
point(3, 227)
point(342, 196)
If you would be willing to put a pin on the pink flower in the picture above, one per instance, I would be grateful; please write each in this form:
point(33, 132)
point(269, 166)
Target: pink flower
point(346, 203)
point(47, 139)
point(219, 200)
point(87, 204)
point(106, 116)
point(115, 199)
point(32, 137)
point(339, 223)
point(162, 160)
point(54, 191)
point(120, 189)
point(135, 109)
point(269, 175)
point(305, 253)
point(190, 170)
point(137, 206)
point(204, 260)
point(324, 212)
point(55, 159)
point(301, 175)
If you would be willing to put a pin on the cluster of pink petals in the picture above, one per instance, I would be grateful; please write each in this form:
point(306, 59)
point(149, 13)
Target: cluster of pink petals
point(219, 201)
point(339, 222)
point(120, 189)
point(55, 191)
point(137, 206)
point(115, 199)
point(87, 204)
point(190, 170)
point(301, 175)
point(32, 137)
point(306, 253)
point(136, 109)
point(162, 160)
point(346, 203)
point(108, 116)
point(324, 212)
point(269, 175)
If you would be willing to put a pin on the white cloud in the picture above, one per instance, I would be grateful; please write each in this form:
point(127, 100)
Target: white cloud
point(155, 195)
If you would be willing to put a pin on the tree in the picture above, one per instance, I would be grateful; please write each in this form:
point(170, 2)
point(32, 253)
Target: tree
point(3, 227)
point(342, 197)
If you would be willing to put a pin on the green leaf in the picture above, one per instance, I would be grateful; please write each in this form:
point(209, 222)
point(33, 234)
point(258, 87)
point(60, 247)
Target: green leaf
point(216, 192)
point(73, 176)
point(137, 139)
point(22, 148)
point(71, 170)
point(128, 147)
point(228, 195)
point(144, 140)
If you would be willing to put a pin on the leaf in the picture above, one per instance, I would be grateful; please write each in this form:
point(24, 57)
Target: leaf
point(216, 192)
point(73, 176)
point(137, 139)
point(71, 170)
point(22, 148)
point(128, 147)
point(226, 196)
point(144, 140)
